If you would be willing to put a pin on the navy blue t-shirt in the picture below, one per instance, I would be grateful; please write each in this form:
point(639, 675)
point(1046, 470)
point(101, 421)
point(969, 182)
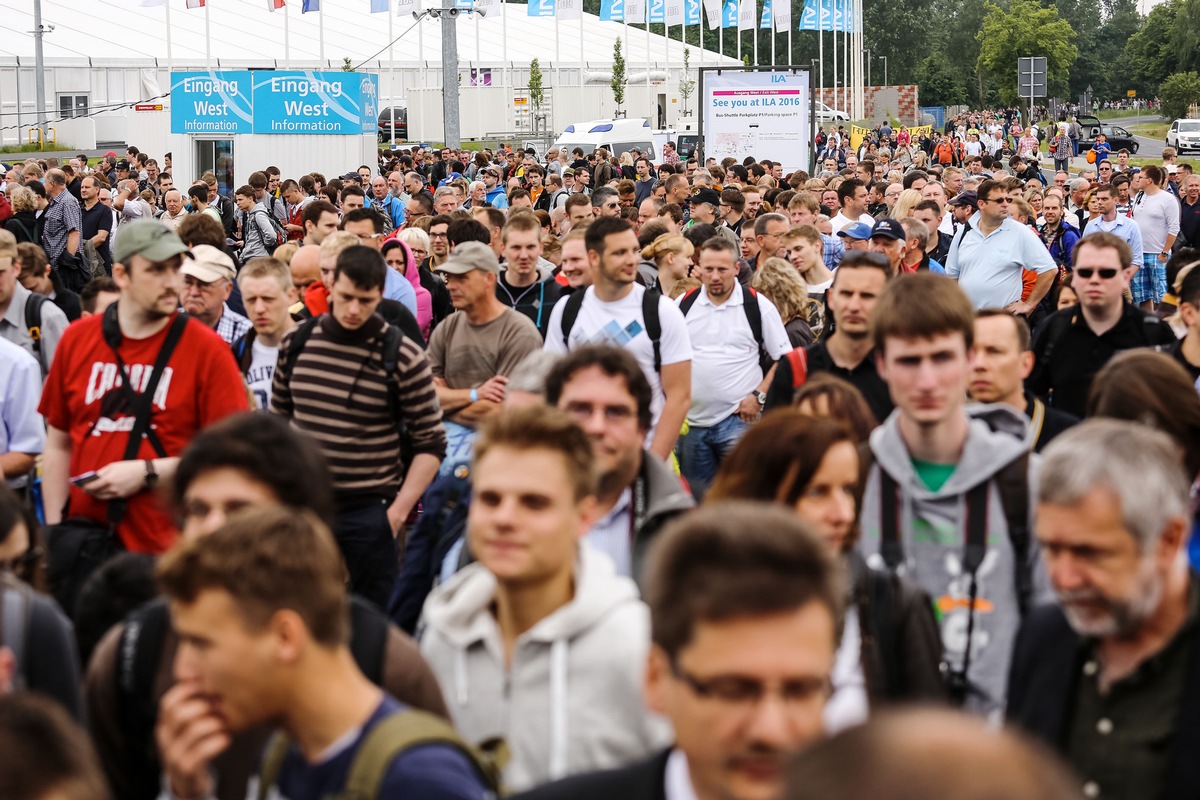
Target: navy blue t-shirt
point(427, 771)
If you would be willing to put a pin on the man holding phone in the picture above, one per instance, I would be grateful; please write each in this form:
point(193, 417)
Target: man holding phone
point(138, 370)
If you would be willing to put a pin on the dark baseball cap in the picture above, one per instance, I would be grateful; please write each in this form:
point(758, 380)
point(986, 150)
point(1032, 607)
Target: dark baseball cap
point(706, 195)
point(888, 229)
point(122, 164)
point(968, 198)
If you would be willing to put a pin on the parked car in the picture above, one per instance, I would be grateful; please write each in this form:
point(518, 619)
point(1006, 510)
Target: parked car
point(826, 115)
point(1117, 137)
point(1184, 135)
point(385, 124)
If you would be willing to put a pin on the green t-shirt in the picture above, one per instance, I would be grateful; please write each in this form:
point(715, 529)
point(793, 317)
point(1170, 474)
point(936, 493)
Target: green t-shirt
point(933, 475)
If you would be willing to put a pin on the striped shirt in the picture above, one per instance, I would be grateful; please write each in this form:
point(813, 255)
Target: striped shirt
point(61, 217)
point(337, 393)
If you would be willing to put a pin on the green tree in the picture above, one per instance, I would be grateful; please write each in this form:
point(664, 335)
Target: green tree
point(940, 84)
point(1185, 38)
point(1148, 57)
point(687, 86)
point(618, 78)
point(1178, 92)
point(1025, 29)
point(537, 95)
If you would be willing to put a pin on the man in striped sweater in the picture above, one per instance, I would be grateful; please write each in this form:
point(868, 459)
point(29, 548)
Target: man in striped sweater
point(336, 389)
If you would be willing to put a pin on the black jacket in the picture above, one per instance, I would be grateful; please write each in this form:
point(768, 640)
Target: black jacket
point(645, 780)
point(1041, 685)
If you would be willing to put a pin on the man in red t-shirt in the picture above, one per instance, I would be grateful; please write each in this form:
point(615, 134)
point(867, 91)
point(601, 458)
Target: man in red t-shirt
point(88, 412)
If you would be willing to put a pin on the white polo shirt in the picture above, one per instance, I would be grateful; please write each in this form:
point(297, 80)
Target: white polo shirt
point(725, 368)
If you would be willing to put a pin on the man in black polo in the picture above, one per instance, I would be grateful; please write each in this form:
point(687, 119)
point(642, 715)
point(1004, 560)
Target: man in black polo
point(1072, 345)
point(847, 352)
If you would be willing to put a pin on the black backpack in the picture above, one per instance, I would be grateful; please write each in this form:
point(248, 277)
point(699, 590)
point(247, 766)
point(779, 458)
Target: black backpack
point(140, 652)
point(33, 320)
point(649, 317)
point(753, 316)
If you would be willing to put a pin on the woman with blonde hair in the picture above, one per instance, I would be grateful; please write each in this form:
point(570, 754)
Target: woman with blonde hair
point(919, 159)
point(905, 203)
point(671, 253)
point(781, 283)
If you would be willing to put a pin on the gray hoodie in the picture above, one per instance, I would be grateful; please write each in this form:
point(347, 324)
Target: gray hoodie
point(571, 701)
point(933, 539)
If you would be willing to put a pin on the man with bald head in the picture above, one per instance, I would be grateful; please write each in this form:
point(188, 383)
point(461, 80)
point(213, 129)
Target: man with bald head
point(306, 268)
point(922, 754)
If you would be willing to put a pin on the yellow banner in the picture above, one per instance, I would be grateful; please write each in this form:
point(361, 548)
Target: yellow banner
point(857, 134)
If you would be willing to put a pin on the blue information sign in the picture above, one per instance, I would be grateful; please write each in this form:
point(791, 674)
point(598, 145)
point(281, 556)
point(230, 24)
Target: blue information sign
point(275, 101)
point(211, 102)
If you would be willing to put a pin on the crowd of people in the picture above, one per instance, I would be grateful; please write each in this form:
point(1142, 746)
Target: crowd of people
point(478, 474)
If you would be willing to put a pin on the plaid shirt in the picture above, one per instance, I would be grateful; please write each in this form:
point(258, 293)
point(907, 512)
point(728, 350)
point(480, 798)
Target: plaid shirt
point(232, 325)
point(62, 216)
point(832, 250)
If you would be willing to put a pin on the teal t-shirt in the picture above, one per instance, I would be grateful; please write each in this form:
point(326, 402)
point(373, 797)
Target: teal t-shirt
point(933, 475)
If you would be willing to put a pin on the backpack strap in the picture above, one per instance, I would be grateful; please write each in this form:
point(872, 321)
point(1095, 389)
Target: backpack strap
point(300, 337)
point(754, 318)
point(139, 652)
point(33, 319)
point(1058, 325)
point(16, 615)
point(272, 763)
point(797, 358)
point(689, 300)
point(368, 639)
point(570, 314)
point(1012, 481)
point(395, 735)
point(653, 325)
point(243, 351)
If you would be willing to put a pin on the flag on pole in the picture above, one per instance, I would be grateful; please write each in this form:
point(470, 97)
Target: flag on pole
point(767, 23)
point(195, 3)
point(691, 12)
point(612, 10)
point(746, 12)
point(712, 8)
point(377, 6)
point(490, 9)
point(635, 10)
point(674, 12)
point(656, 11)
point(782, 16)
point(408, 7)
point(309, 5)
point(569, 9)
point(729, 14)
point(272, 5)
point(541, 8)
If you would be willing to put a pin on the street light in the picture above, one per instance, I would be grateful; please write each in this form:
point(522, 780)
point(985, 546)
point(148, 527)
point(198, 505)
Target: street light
point(868, 52)
point(884, 59)
point(450, 108)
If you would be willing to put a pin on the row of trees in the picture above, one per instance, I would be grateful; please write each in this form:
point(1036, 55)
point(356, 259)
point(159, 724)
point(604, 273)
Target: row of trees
point(965, 51)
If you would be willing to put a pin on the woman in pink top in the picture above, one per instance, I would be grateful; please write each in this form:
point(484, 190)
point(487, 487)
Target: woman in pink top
point(400, 258)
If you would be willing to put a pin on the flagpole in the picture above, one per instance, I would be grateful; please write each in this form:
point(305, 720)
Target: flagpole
point(207, 38)
point(391, 78)
point(791, 24)
point(833, 30)
point(582, 62)
point(170, 59)
point(321, 29)
point(287, 42)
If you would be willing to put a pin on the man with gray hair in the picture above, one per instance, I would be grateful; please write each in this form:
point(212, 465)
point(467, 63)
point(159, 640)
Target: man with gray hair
point(62, 221)
point(1110, 676)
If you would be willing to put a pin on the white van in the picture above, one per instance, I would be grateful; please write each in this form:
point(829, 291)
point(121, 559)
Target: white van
point(614, 135)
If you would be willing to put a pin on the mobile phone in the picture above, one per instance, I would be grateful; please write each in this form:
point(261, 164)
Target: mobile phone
point(85, 478)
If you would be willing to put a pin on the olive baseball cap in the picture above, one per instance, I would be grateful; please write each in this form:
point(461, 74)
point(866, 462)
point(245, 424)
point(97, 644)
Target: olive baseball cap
point(148, 238)
point(470, 256)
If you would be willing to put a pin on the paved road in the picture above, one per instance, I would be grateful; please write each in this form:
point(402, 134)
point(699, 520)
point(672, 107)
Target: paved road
point(1147, 148)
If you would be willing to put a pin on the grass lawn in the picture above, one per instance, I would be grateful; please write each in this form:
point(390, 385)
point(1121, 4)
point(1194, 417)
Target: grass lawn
point(1151, 130)
point(1121, 113)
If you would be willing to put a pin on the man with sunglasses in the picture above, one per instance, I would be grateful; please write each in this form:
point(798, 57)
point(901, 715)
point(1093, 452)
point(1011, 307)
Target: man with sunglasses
point(990, 253)
point(1072, 345)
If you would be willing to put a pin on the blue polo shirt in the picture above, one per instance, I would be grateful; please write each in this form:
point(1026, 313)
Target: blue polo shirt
point(988, 268)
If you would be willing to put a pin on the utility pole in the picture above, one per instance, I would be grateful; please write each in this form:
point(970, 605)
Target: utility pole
point(39, 69)
point(450, 109)
point(884, 60)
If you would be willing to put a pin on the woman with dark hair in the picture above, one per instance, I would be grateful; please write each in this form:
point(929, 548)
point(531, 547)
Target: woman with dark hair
point(891, 648)
point(1156, 390)
point(826, 395)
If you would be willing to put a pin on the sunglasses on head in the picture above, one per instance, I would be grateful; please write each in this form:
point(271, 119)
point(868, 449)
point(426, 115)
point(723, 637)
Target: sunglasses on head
point(1106, 273)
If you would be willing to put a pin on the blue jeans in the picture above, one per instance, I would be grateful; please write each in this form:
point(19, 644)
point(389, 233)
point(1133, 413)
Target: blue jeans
point(701, 450)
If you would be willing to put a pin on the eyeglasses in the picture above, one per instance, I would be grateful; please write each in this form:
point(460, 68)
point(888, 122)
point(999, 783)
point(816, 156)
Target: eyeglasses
point(439, 236)
point(741, 695)
point(1106, 273)
point(999, 200)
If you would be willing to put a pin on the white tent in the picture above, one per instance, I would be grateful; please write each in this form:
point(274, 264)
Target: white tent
point(242, 32)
